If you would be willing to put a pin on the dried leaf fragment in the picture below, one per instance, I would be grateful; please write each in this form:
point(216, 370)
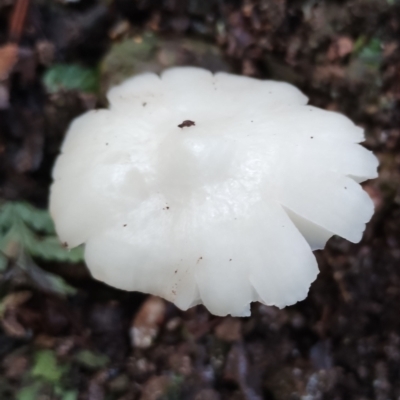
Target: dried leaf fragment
point(186, 124)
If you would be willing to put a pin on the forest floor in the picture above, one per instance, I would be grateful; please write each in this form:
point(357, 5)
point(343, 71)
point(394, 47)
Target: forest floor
point(65, 336)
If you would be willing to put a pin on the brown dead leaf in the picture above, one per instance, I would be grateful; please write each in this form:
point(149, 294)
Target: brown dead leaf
point(4, 99)
point(45, 341)
point(390, 49)
point(12, 326)
point(328, 73)
point(15, 365)
point(8, 313)
point(12, 301)
point(8, 58)
point(120, 29)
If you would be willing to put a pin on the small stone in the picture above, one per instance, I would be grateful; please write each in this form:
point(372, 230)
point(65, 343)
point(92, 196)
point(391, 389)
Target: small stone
point(340, 48)
point(207, 394)
point(146, 323)
point(181, 364)
point(229, 330)
point(119, 384)
point(65, 346)
point(173, 324)
point(155, 388)
point(45, 51)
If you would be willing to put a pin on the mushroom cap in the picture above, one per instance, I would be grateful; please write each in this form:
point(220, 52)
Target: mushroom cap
point(224, 211)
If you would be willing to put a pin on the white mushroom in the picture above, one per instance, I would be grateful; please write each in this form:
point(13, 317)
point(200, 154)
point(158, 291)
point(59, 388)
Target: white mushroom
point(210, 189)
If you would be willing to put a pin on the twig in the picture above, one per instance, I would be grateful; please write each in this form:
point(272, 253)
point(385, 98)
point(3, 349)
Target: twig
point(17, 20)
point(9, 52)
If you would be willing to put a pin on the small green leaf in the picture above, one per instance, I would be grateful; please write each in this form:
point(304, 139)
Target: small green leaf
point(3, 262)
point(10, 243)
point(6, 215)
point(369, 52)
point(29, 392)
point(50, 248)
point(11, 212)
point(22, 225)
point(45, 280)
point(71, 77)
point(38, 219)
point(372, 49)
point(359, 44)
point(126, 58)
point(175, 388)
point(58, 285)
point(46, 366)
point(70, 395)
point(91, 360)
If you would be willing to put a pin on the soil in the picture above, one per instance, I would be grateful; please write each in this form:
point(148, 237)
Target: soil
point(342, 342)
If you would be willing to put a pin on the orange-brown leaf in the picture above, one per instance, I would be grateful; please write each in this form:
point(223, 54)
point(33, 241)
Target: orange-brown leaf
point(8, 58)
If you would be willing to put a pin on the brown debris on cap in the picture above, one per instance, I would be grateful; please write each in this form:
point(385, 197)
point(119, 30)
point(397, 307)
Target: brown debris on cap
point(186, 123)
